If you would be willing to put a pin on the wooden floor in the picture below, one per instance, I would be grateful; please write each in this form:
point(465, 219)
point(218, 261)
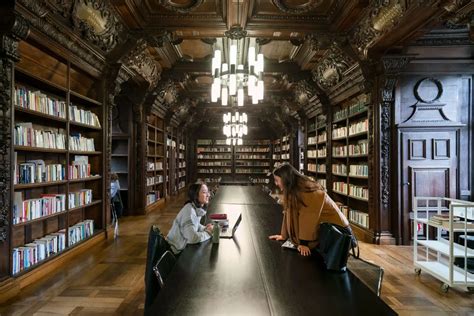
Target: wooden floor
point(109, 279)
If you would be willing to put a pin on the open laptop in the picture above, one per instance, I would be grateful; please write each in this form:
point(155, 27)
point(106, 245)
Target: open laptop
point(226, 232)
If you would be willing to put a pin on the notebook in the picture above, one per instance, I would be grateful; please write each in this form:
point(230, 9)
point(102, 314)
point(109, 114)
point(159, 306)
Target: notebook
point(227, 233)
point(288, 244)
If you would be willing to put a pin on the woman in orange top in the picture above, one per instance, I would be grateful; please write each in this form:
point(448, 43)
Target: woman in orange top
point(305, 205)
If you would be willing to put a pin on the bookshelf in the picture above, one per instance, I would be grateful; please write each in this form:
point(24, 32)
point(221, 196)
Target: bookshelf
point(285, 149)
point(350, 160)
point(214, 160)
point(120, 155)
point(181, 163)
point(171, 170)
point(58, 145)
point(155, 189)
point(252, 160)
point(276, 152)
point(316, 149)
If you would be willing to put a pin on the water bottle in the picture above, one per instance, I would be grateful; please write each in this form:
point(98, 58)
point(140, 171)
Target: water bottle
point(216, 233)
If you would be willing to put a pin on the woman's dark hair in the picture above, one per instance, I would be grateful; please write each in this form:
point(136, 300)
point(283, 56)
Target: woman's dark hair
point(114, 176)
point(293, 183)
point(193, 194)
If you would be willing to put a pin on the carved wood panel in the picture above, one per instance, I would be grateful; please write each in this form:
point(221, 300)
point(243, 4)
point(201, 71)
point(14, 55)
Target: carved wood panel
point(429, 165)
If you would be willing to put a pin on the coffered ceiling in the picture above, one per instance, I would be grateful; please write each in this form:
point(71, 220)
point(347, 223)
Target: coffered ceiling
point(314, 50)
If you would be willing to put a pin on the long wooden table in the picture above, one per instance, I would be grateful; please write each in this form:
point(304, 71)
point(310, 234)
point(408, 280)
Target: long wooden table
point(252, 275)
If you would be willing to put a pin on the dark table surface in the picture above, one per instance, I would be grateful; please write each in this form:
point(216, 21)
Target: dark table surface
point(252, 275)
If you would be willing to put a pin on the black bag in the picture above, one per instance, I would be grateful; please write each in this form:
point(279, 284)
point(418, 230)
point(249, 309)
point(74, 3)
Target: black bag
point(335, 242)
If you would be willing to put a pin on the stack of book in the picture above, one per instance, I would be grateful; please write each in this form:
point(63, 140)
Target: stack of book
point(443, 220)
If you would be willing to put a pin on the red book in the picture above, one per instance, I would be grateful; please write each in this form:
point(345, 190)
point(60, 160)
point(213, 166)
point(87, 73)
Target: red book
point(218, 216)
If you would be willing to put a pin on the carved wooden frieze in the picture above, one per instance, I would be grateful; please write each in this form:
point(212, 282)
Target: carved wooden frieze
point(304, 91)
point(181, 7)
point(286, 7)
point(383, 17)
point(40, 20)
point(93, 19)
point(331, 67)
point(140, 60)
point(236, 32)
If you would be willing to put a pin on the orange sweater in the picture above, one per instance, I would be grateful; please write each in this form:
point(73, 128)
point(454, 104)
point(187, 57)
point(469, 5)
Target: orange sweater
point(303, 224)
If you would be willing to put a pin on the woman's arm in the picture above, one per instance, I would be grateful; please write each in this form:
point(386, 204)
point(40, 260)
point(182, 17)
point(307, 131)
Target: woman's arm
point(191, 233)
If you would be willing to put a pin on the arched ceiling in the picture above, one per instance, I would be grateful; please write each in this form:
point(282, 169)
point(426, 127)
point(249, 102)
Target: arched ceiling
point(308, 45)
point(313, 49)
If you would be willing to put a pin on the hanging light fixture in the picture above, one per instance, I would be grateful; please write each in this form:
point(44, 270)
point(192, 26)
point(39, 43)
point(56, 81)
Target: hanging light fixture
point(235, 127)
point(230, 79)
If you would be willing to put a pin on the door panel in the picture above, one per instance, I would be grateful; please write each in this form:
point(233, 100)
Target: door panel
point(428, 168)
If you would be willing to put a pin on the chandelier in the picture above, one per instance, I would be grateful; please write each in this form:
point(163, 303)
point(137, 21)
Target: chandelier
point(235, 126)
point(229, 79)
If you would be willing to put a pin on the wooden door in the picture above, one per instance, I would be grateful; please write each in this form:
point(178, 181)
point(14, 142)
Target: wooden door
point(429, 165)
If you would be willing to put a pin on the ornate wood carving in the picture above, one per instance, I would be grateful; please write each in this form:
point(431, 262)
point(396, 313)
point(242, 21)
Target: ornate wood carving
point(143, 63)
point(93, 19)
point(8, 55)
point(331, 67)
point(392, 66)
point(41, 21)
point(302, 8)
point(383, 17)
point(182, 7)
point(236, 32)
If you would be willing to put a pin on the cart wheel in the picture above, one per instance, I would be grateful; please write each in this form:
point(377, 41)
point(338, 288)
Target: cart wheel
point(417, 271)
point(445, 288)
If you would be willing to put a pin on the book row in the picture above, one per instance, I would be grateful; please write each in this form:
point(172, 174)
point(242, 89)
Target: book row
point(252, 164)
point(40, 249)
point(39, 102)
point(83, 116)
point(217, 170)
point(36, 171)
point(152, 197)
point(80, 198)
point(154, 180)
point(154, 166)
point(200, 156)
point(27, 210)
point(226, 163)
point(248, 156)
point(25, 135)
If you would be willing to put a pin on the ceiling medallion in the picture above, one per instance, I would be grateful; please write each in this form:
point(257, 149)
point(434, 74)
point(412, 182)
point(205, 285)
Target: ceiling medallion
point(181, 8)
point(297, 9)
point(236, 32)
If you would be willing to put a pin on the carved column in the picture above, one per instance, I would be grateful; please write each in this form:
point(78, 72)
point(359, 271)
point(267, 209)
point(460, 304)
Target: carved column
point(18, 30)
point(111, 90)
point(385, 168)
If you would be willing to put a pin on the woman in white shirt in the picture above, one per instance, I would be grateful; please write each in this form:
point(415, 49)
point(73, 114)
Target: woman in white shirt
point(187, 228)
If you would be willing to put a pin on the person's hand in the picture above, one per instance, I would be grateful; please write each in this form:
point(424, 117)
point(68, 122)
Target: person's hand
point(276, 237)
point(209, 228)
point(304, 250)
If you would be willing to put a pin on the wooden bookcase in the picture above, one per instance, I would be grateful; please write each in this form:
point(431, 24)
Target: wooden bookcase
point(155, 189)
point(181, 163)
point(171, 170)
point(214, 160)
point(316, 149)
point(252, 160)
point(121, 153)
point(349, 162)
point(58, 130)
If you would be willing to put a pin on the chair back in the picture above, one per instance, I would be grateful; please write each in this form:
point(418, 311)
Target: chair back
point(369, 273)
point(164, 266)
point(157, 246)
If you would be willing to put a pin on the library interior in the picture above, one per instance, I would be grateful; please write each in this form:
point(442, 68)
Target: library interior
point(151, 150)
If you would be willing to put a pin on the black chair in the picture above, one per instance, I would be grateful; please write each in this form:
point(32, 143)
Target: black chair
point(164, 266)
point(157, 246)
point(369, 273)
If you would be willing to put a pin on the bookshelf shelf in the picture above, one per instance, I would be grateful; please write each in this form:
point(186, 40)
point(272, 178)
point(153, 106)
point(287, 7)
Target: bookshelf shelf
point(39, 185)
point(39, 219)
point(39, 149)
point(85, 179)
point(39, 114)
point(79, 152)
point(84, 98)
point(95, 202)
point(85, 125)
